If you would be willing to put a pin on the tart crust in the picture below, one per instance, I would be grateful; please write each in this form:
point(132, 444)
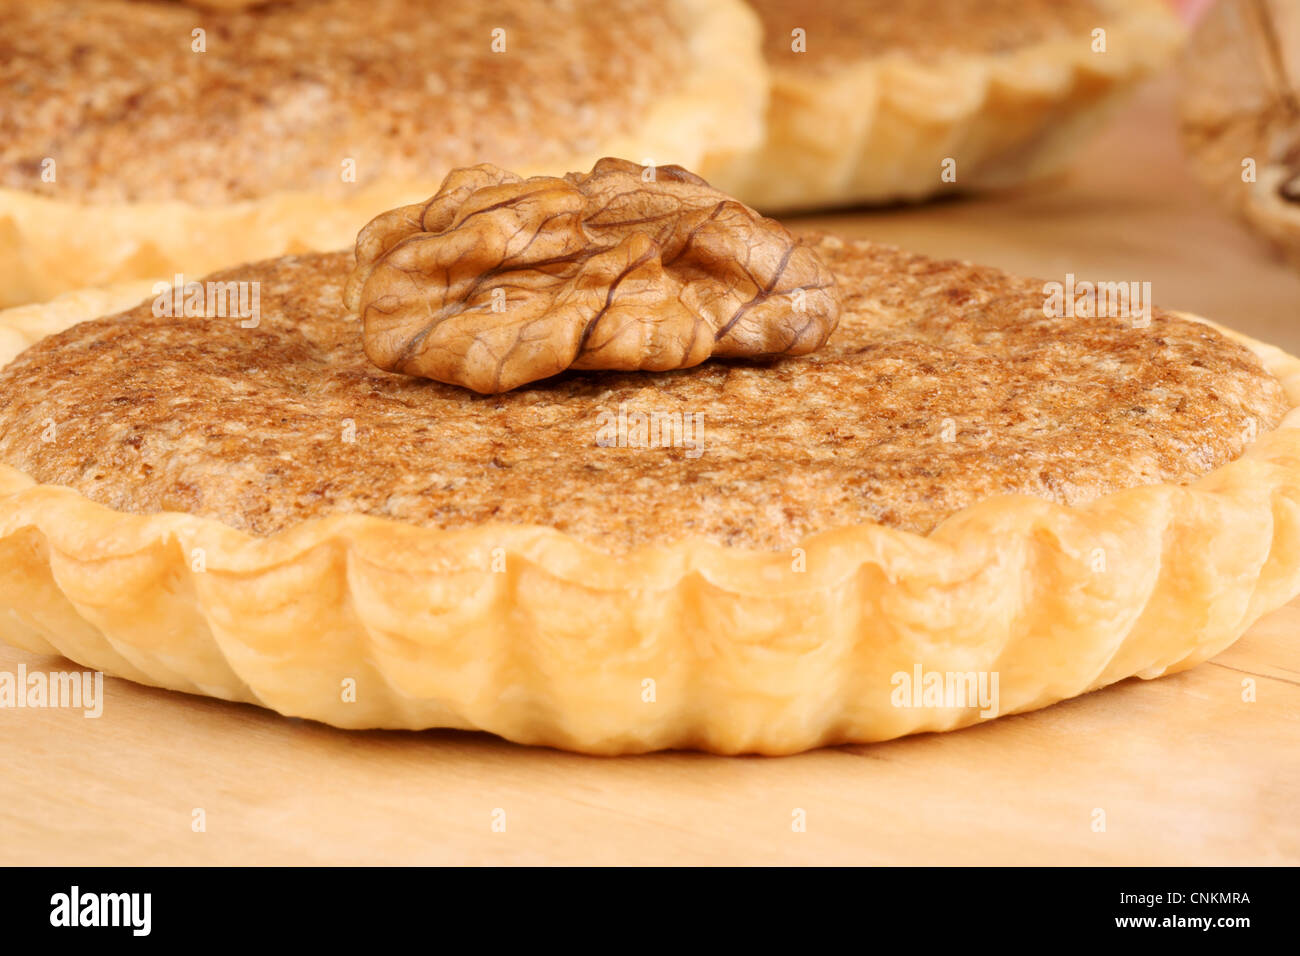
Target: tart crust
point(50, 245)
point(534, 635)
point(937, 83)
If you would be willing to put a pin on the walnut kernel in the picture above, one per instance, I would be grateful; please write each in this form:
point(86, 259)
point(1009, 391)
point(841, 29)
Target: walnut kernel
point(498, 281)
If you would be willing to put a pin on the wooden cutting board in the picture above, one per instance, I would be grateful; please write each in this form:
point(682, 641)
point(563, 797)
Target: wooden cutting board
point(1187, 769)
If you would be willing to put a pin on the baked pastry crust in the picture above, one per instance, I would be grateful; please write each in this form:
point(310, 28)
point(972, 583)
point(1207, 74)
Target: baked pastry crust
point(533, 634)
point(97, 229)
point(887, 92)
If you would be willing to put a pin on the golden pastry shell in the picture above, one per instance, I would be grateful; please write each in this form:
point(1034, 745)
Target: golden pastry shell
point(530, 634)
point(880, 130)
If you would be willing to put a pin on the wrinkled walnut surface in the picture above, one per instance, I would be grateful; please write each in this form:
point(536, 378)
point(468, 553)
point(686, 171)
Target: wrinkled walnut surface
point(498, 281)
point(248, 425)
point(286, 91)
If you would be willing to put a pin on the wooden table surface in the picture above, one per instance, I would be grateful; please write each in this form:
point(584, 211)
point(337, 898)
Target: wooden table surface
point(1184, 769)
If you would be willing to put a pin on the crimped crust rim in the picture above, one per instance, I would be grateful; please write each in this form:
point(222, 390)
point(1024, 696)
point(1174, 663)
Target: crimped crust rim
point(878, 127)
point(750, 656)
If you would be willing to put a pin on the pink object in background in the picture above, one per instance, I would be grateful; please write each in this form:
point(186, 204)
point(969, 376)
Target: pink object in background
point(1192, 10)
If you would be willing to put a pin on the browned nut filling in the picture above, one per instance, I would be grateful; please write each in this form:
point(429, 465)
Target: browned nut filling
point(223, 4)
point(498, 281)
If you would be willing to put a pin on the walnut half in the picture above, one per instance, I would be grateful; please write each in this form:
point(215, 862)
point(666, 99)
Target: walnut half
point(498, 281)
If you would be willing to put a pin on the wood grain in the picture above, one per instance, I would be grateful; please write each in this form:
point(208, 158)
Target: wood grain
point(1185, 770)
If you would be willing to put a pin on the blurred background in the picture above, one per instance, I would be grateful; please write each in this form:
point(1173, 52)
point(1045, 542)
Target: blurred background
point(1129, 207)
point(1120, 162)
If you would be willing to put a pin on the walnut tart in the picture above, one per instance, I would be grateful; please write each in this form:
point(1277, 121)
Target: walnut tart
point(610, 462)
point(144, 138)
point(883, 101)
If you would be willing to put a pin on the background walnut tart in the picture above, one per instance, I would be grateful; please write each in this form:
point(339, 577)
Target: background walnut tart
point(140, 138)
point(879, 101)
point(955, 480)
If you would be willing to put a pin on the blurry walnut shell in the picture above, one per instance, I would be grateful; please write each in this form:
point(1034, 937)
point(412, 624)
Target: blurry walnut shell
point(498, 281)
point(1240, 103)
